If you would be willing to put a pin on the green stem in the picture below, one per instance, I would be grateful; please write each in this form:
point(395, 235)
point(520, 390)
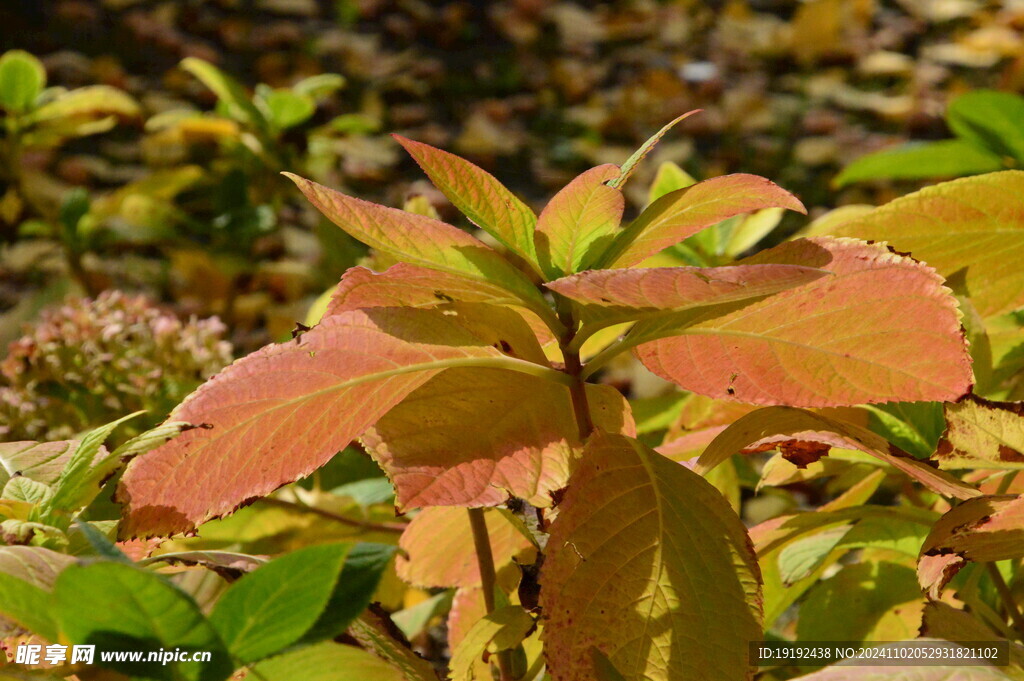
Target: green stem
point(488, 579)
point(1004, 484)
point(1007, 597)
point(574, 368)
point(370, 526)
point(602, 358)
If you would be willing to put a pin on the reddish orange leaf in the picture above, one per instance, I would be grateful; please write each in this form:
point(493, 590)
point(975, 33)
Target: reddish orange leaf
point(480, 197)
point(852, 338)
point(613, 296)
point(417, 239)
point(439, 548)
point(684, 212)
point(578, 223)
point(778, 425)
point(648, 563)
point(472, 437)
point(285, 410)
point(405, 285)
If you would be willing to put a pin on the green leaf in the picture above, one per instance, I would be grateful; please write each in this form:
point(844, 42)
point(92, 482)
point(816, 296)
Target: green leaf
point(273, 607)
point(94, 101)
point(320, 85)
point(286, 109)
point(991, 120)
point(914, 427)
point(749, 231)
point(327, 661)
point(891, 534)
point(27, 575)
point(972, 228)
point(364, 567)
point(20, 488)
point(27, 605)
point(880, 602)
point(120, 607)
point(22, 78)
point(100, 543)
point(229, 91)
point(80, 481)
point(631, 163)
point(479, 196)
point(644, 543)
point(578, 224)
point(805, 555)
point(921, 160)
point(669, 178)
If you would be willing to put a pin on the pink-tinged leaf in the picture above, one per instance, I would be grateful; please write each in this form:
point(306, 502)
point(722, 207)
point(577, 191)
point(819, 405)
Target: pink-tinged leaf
point(684, 212)
point(982, 529)
point(935, 572)
point(473, 437)
point(439, 548)
point(614, 296)
point(774, 427)
point(631, 163)
point(579, 222)
point(417, 239)
point(468, 608)
point(851, 338)
point(973, 226)
point(480, 197)
point(642, 543)
point(685, 447)
point(982, 433)
point(285, 410)
point(405, 285)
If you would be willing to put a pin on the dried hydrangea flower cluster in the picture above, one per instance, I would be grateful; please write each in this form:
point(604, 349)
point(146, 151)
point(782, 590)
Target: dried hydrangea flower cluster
point(88, 362)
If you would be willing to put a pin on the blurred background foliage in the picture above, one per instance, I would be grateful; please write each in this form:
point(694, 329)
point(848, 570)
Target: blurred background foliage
point(147, 157)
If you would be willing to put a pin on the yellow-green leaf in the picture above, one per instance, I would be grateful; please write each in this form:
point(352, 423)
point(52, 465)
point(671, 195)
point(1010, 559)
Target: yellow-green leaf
point(972, 226)
point(648, 563)
point(578, 223)
point(981, 433)
point(685, 212)
point(480, 197)
point(779, 425)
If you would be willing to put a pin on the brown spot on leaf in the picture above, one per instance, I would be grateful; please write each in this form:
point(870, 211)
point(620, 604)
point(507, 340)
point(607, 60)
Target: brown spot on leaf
point(1007, 453)
point(800, 453)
